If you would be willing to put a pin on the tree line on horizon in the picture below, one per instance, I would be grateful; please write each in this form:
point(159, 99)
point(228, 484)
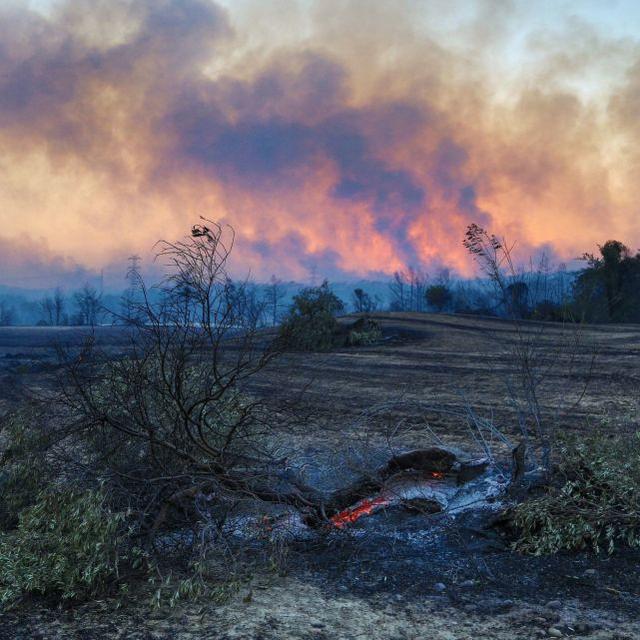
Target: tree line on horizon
point(607, 289)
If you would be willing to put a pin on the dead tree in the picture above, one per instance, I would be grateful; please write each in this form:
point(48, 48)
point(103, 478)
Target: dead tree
point(170, 418)
point(89, 305)
point(408, 290)
point(59, 304)
point(274, 295)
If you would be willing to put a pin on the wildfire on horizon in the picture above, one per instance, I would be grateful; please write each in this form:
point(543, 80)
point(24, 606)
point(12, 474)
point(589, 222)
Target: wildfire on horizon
point(349, 140)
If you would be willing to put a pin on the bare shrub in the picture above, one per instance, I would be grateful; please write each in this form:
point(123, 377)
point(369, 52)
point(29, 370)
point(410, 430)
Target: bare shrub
point(536, 359)
point(169, 421)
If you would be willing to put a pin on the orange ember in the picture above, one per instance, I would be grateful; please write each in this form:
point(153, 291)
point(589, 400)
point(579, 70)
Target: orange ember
point(367, 506)
point(364, 508)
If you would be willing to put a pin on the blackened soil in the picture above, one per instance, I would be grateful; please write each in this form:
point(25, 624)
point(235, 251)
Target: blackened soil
point(415, 556)
point(391, 576)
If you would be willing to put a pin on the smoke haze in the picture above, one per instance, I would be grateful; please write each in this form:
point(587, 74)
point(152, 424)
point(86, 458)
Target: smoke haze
point(350, 137)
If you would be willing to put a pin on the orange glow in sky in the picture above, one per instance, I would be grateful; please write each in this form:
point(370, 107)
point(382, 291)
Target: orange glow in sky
point(354, 138)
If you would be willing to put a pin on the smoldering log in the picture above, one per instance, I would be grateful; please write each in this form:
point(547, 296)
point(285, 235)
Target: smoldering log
point(318, 508)
point(415, 465)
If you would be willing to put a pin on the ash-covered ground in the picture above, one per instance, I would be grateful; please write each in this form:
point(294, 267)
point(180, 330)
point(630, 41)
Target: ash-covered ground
point(395, 573)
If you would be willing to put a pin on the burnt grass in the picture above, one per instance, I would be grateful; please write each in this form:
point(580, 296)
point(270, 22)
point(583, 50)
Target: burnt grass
point(449, 360)
point(428, 360)
point(399, 555)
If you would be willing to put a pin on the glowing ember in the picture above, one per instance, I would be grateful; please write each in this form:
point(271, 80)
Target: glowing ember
point(363, 508)
point(367, 506)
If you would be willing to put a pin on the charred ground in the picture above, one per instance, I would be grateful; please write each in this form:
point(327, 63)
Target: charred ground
point(394, 574)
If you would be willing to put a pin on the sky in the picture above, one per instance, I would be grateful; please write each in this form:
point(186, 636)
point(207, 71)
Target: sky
point(343, 138)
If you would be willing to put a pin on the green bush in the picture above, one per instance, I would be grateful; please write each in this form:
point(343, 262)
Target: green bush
point(595, 502)
point(365, 333)
point(311, 324)
point(363, 338)
point(23, 446)
point(67, 545)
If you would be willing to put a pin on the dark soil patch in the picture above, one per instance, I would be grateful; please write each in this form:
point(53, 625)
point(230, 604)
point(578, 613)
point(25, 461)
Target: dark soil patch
point(396, 553)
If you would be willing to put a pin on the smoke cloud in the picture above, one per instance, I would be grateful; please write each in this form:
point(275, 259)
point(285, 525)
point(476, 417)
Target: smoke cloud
point(354, 138)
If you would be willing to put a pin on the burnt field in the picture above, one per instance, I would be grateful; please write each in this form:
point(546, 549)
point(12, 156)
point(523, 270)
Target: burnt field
point(589, 375)
point(29, 355)
point(394, 574)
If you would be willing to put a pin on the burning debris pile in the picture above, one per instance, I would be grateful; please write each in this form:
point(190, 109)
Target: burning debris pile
point(426, 481)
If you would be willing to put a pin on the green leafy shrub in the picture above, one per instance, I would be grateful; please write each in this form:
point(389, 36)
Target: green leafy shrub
point(594, 504)
point(24, 441)
point(363, 332)
point(67, 545)
point(364, 338)
point(311, 324)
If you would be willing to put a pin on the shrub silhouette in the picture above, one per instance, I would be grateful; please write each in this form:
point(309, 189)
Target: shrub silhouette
point(311, 324)
point(438, 296)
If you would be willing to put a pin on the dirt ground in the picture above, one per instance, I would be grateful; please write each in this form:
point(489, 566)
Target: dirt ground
point(291, 608)
point(396, 576)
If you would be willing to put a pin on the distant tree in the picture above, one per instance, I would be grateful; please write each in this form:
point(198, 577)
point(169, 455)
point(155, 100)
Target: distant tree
point(88, 306)
point(59, 304)
point(611, 268)
point(274, 294)
point(408, 290)
point(416, 282)
point(52, 309)
point(363, 302)
point(397, 288)
point(438, 296)
point(47, 307)
point(244, 306)
point(517, 299)
point(608, 289)
point(474, 298)
point(254, 306)
point(7, 314)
